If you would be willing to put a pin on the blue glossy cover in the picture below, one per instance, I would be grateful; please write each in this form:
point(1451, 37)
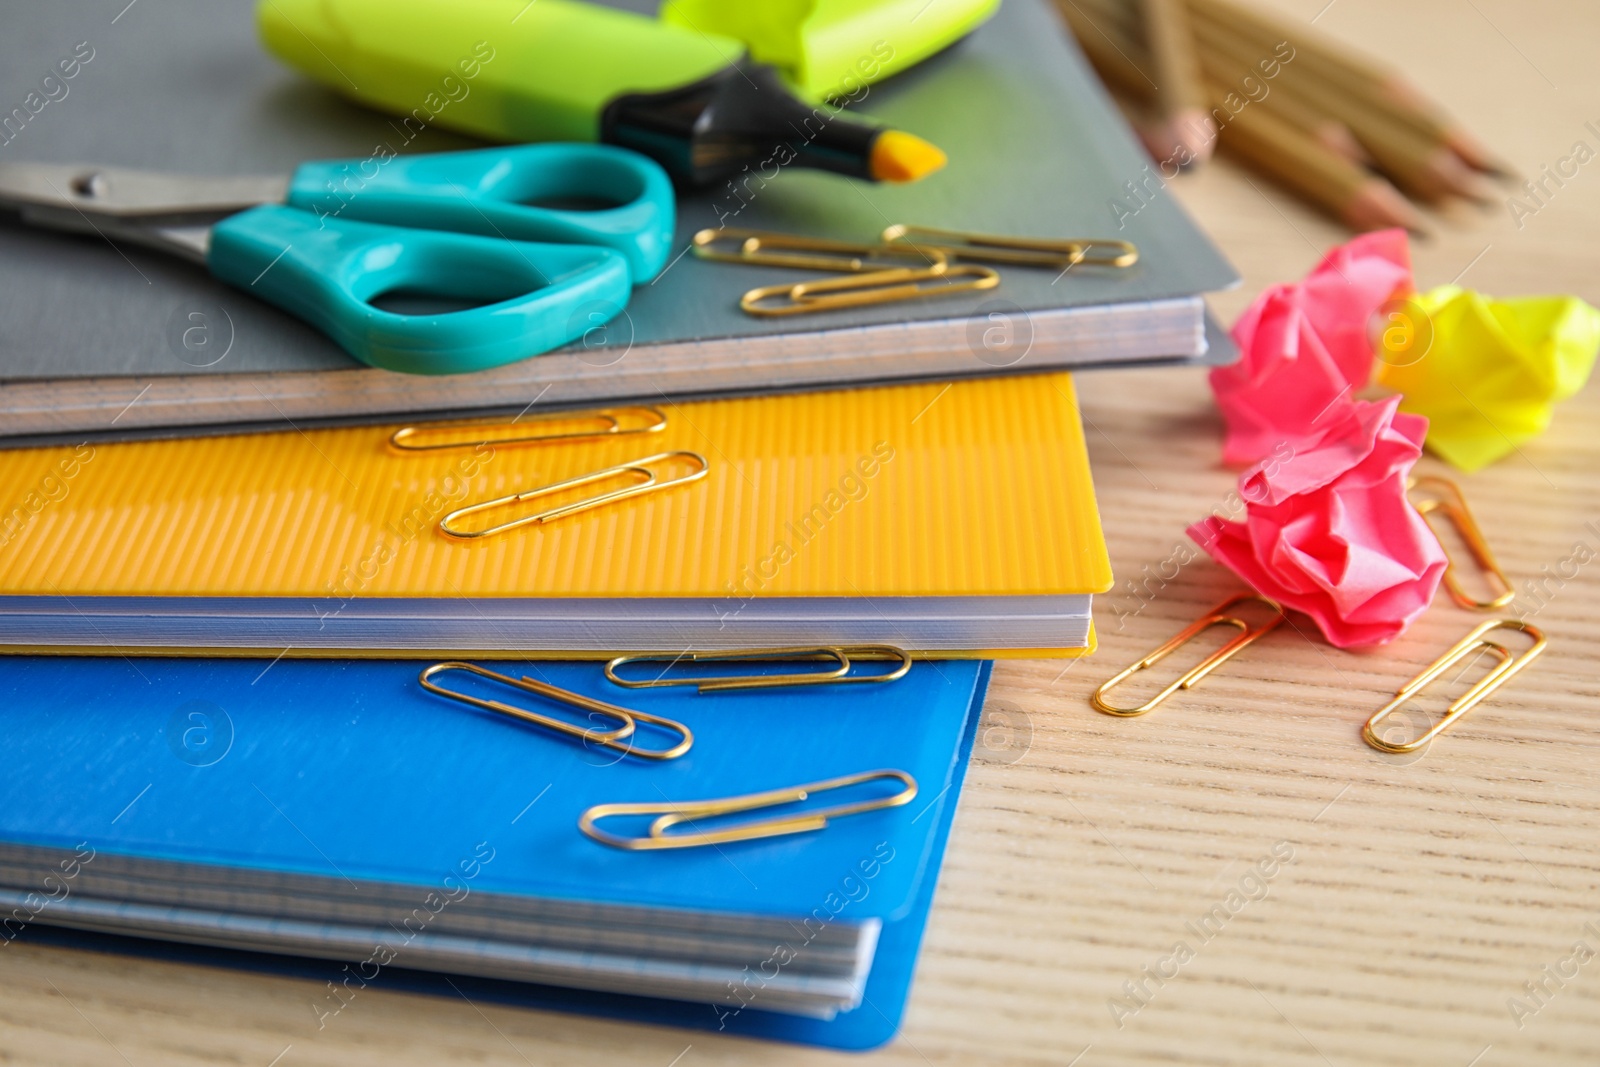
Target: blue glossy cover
point(349, 769)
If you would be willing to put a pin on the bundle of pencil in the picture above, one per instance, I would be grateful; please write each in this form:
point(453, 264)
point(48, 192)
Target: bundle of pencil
point(1344, 133)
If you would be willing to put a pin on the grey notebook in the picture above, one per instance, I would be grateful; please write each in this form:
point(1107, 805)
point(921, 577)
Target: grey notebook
point(92, 336)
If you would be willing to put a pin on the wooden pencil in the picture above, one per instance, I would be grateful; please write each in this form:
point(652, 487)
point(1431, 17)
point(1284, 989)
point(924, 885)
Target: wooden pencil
point(1115, 35)
point(1184, 129)
point(1108, 45)
point(1327, 131)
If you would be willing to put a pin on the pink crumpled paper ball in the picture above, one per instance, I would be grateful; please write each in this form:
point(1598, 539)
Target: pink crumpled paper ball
point(1305, 346)
point(1328, 530)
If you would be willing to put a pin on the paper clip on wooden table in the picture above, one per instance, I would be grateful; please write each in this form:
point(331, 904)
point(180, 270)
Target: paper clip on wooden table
point(1509, 665)
point(1221, 615)
point(1446, 497)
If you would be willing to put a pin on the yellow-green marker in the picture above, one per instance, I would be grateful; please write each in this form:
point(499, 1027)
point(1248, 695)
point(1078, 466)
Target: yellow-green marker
point(689, 97)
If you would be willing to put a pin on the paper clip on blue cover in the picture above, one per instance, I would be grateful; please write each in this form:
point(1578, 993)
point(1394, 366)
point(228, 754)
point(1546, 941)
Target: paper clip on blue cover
point(206, 772)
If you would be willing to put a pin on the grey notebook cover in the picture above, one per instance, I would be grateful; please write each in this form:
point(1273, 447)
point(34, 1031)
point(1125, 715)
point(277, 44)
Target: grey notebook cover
point(1035, 147)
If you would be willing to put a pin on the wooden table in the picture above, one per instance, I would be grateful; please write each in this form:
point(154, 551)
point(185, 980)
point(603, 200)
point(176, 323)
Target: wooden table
point(1422, 893)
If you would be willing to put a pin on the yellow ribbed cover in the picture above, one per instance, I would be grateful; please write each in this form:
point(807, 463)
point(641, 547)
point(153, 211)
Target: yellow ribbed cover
point(979, 487)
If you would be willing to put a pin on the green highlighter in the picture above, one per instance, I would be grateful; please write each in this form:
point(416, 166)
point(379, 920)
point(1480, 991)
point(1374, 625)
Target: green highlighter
point(710, 89)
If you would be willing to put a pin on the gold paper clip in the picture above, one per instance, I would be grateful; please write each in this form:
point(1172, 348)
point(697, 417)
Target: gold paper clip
point(639, 469)
point(1217, 616)
point(1453, 504)
point(769, 249)
point(837, 674)
point(1507, 667)
point(669, 814)
point(609, 422)
point(1023, 251)
point(620, 739)
point(872, 287)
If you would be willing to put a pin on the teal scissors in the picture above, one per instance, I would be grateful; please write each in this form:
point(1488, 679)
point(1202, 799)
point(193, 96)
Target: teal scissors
point(335, 236)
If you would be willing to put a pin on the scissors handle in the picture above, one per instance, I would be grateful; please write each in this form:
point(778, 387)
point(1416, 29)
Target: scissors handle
point(497, 192)
point(534, 297)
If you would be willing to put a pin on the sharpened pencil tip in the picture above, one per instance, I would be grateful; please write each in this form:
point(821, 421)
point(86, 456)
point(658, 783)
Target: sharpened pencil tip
point(1185, 139)
point(1379, 205)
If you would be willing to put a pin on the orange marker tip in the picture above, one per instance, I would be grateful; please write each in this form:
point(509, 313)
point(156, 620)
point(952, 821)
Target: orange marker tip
point(903, 157)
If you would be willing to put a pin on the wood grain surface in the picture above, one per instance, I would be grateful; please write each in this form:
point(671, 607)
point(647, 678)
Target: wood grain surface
point(1420, 894)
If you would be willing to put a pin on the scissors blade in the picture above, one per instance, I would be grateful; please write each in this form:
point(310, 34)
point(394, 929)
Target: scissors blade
point(126, 193)
point(165, 211)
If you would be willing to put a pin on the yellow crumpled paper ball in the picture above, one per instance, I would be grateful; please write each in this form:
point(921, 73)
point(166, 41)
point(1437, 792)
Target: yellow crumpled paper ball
point(1487, 373)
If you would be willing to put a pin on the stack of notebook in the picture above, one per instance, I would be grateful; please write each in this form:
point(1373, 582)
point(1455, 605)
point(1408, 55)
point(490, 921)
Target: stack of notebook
point(333, 692)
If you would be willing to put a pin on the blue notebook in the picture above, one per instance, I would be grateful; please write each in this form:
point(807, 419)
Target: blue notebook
point(337, 810)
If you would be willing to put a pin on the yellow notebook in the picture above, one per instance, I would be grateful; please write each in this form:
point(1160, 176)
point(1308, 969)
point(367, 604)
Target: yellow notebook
point(937, 517)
